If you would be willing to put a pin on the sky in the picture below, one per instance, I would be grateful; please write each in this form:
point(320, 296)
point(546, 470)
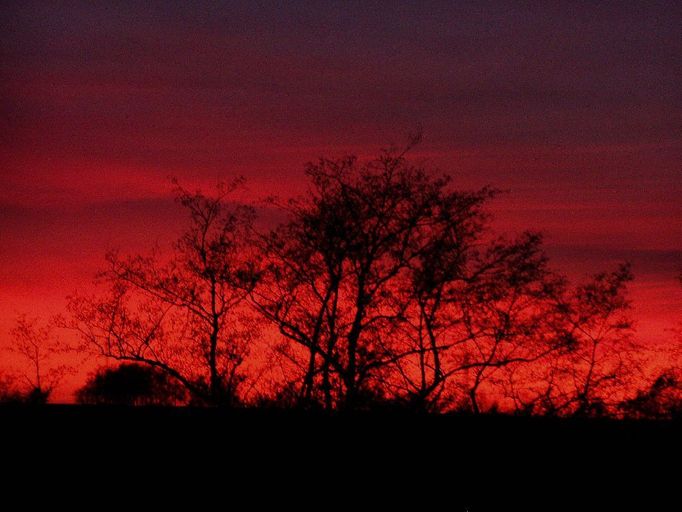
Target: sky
point(573, 108)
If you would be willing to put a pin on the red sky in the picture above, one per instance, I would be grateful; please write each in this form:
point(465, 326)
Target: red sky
point(575, 109)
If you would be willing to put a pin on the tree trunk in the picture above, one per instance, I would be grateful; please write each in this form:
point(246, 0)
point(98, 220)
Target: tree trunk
point(474, 399)
point(215, 390)
point(308, 382)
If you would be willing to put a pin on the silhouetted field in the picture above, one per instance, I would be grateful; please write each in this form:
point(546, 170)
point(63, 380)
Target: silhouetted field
point(473, 461)
point(473, 436)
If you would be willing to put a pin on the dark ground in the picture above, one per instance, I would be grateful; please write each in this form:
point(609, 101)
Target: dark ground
point(327, 461)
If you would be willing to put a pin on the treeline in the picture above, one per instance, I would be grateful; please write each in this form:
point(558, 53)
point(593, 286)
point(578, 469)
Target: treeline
point(384, 286)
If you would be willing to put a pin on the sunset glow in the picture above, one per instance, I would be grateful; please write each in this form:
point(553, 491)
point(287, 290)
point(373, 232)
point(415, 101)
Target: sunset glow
point(575, 115)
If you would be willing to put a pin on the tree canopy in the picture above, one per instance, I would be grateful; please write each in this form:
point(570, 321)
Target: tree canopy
point(384, 283)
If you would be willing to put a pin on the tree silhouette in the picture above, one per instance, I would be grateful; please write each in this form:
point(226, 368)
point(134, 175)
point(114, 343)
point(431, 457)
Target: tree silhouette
point(662, 400)
point(385, 277)
point(331, 283)
point(131, 384)
point(384, 286)
point(182, 314)
point(477, 307)
point(9, 390)
point(663, 397)
point(598, 359)
point(38, 347)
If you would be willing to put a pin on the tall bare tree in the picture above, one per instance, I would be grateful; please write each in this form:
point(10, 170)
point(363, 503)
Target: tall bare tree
point(383, 271)
point(330, 286)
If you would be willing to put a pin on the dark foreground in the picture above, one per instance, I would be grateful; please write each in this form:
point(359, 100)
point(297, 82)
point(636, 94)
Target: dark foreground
point(459, 462)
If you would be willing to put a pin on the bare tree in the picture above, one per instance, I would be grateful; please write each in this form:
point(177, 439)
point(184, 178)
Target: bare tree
point(441, 268)
point(385, 281)
point(598, 360)
point(479, 305)
point(385, 284)
point(331, 285)
point(661, 397)
point(181, 313)
point(40, 350)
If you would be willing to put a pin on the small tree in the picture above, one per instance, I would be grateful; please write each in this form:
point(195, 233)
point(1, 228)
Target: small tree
point(598, 361)
point(38, 347)
point(478, 307)
point(663, 396)
point(9, 390)
point(181, 313)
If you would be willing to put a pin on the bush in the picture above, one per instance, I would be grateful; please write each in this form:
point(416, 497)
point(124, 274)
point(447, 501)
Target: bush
point(131, 384)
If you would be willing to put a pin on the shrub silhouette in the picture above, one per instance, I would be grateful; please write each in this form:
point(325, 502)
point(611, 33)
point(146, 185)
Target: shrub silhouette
point(9, 393)
point(662, 400)
point(130, 384)
point(12, 393)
